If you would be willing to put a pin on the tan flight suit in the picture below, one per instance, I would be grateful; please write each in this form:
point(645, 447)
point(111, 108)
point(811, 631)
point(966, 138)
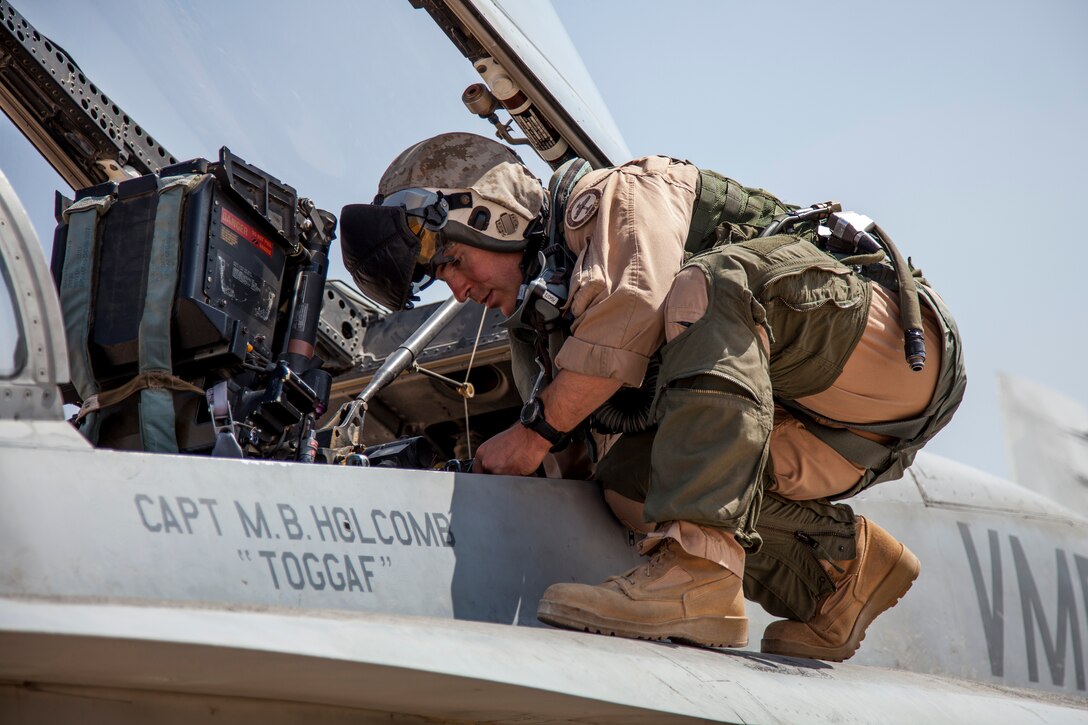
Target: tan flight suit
point(785, 320)
point(628, 252)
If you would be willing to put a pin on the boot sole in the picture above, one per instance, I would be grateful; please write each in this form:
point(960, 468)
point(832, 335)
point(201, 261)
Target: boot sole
point(897, 583)
point(701, 631)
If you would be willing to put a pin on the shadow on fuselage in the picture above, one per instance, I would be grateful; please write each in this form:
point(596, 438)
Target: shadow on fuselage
point(513, 537)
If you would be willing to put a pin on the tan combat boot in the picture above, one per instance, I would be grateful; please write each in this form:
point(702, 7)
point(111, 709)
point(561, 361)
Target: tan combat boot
point(874, 581)
point(674, 595)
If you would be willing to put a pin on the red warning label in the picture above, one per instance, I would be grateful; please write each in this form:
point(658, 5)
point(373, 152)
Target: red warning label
point(261, 242)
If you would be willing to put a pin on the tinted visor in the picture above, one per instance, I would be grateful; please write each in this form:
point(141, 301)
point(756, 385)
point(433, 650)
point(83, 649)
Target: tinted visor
point(389, 245)
point(381, 252)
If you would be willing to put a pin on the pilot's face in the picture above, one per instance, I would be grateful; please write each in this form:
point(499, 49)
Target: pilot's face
point(490, 278)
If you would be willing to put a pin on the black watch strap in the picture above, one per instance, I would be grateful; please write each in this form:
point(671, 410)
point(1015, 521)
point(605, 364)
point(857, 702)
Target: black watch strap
point(532, 417)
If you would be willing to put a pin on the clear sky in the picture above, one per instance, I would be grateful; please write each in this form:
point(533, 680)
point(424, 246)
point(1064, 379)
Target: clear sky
point(959, 127)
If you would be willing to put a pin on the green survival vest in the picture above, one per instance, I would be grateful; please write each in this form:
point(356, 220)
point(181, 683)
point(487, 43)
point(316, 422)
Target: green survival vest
point(725, 212)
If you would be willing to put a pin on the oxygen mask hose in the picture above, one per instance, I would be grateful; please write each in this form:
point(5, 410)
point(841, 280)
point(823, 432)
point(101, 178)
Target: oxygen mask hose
point(910, 311)
point(914, 345)
point(852, 230)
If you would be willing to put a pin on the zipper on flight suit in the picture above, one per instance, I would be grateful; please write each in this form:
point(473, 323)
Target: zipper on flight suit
point(808, 540)
point(718, 374)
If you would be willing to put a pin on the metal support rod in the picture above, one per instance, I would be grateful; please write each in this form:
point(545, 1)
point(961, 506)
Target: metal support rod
point(404, 356)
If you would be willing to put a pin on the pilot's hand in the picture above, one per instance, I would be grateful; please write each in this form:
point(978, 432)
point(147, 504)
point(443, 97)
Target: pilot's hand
point(517, 451)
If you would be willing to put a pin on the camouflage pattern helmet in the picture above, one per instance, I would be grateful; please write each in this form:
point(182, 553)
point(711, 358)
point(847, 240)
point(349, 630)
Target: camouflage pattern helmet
point(506, 198)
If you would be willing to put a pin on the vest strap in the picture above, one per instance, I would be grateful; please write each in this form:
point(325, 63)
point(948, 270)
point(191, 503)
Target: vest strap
point(723, 201)
point(846, 443)
point(157, 417)
point(559, 188)
point(710, 192)
point(153, 379)
point(77, 295)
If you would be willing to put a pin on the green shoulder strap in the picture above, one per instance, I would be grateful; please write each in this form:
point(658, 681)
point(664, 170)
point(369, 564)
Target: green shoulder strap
point(720, 200)
point(858, 449)
point(559, 188)
point(157, 420)
point(77, 296)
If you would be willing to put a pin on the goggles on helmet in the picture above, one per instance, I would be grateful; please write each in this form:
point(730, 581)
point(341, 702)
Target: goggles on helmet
point(426, 213)
point(401, 240)
point(394, 243)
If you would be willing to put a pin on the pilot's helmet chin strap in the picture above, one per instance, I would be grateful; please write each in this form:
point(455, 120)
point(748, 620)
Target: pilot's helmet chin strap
point(542, 298)
point(536, 236)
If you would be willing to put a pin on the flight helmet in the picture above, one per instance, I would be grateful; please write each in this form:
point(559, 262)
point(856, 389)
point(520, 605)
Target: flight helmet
point(455, 187)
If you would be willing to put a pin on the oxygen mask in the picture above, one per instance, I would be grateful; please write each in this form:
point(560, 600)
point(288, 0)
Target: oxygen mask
point(395, 243)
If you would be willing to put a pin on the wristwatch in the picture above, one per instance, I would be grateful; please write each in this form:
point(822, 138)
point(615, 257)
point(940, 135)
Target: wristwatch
point(532, 417)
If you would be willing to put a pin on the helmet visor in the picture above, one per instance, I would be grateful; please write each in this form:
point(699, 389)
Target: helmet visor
point(393, 243)
point(381, 252)
point(426, 213)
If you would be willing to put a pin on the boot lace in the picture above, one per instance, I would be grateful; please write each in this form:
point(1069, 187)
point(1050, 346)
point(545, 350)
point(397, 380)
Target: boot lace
point(656, 555)
point(659, 553)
